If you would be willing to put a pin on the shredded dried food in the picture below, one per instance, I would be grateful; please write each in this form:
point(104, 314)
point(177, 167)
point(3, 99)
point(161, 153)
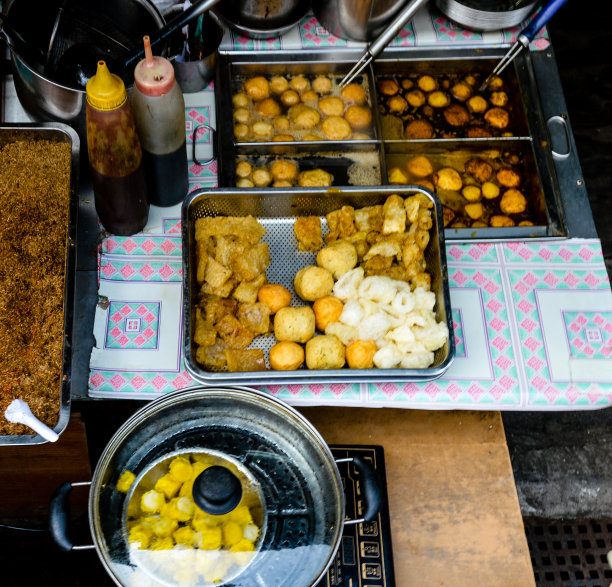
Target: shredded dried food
point(34, 205)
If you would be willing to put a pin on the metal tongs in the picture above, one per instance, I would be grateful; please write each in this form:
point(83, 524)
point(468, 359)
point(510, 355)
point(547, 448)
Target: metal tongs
point(525, 37)
point(383, 40)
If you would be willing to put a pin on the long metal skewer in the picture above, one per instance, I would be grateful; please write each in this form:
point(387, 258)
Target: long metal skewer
point(383, 40)
point(525, 37)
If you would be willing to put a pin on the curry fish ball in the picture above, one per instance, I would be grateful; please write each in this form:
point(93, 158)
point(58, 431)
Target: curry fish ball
point(427, 83)
point(477, 104)
point(309, 97)
point(315, 177)
point(294, 324)
point(354, 94)
point(513, 202)
point(479, 169)
point(241, 131)
point(496, 83)
point(360, 354)
point(418, 129)
point(456, 115)
point(508, 177)
point(339, 258)
point(359, 117)
point(415, 98)
point(281, 169)
point(313, 282)
point(261, 177)
point(471, 193)
point(299, 83)
point(290, 98)
point(262, 129)
point(397, 104)
point(336, 128)
point(243, 169)
point(388, 87)
point(268, 107)
point(438, 99)
point(257, 88)
point(500, 221)
point(497, 117)
point(489, 190)
point(322, 84)
point(278, 84)
point(242, 115)
point(286, 356)
point(327, 310)
point(474, 210)
point(331, 106)
point(275, 296)
point(420, 166)
point(240, 100)
point(281, 124)
point(498, 98)
point(325, 352)
point(448, 178)
point(304, 116)
point(461, 91)
point(396, 175)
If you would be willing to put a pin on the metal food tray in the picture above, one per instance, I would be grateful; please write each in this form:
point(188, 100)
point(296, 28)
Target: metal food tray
point(277, 210)
point(530, 129)
point(63, 133)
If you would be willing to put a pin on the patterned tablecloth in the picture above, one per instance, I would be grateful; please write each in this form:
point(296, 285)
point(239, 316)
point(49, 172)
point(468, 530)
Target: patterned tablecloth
point(532, 321)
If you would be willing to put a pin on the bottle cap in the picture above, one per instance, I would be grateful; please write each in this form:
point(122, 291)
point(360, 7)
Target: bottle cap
point(105, 90)
point(153, 76)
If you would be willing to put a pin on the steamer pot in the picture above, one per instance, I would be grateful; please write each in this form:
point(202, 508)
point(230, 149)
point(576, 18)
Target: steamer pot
point(272, 452)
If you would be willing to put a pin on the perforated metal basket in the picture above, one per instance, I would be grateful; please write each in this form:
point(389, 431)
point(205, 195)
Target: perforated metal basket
point(277, 210)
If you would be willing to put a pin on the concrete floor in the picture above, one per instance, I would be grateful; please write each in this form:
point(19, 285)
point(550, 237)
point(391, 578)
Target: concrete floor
point(562, 461)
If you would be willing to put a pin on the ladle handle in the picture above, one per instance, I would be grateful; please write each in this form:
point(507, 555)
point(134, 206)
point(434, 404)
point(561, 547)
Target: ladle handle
point(59, 516)
point(171, 27)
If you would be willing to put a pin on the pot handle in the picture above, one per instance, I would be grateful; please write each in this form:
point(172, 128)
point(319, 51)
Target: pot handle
point(59, 514)
point(370, 488)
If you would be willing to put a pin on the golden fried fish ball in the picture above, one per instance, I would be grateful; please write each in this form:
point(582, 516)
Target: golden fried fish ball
point(336, 128)
point(359, 117)
point(438, 99)
point(283, 138)
point(388, 87)
point(268, 107)
point(299, 83)
point(313, 282)
point(290, 98)
point(498, 98)
point(257, 88)
point(275, 296)
point(470, 80)
point(489, 190)
point(294, 324)
point(397, 104)
point(461, 91)
point(508, 177)
point(286, 356)
point(427, 83)
point(513, 202)
point(420, 166)
point(262, 129)
point(339, 257)
point(497, 117)
point(244, 182)
point(474, 210)
point(325, 352)
point(471, 193)
point(416, 98)
point(322, 84)
point(281, 124)
point(500, 221)
point(331, 106)
point(418, 129)
point(240, 100)
point(456, 115)
point(278, 84)
point(242, 115)
point(360, 354)
point(478, 132)
point(327, 310)
point(304, 116)
point(243, 169)
point(241, 131)
point(315, 177)
point(354, 94)
point(496, 83)
point(406, 83)
point(448, 178)
point(282, 169)
point(261, 177)
point(479, 169)
point(477, 104)
point(309, 97)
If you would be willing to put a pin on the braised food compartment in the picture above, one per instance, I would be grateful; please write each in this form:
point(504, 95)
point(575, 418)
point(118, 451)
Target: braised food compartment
point(277, 211)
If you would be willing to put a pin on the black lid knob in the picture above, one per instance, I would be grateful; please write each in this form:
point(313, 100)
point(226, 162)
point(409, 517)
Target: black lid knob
point(216, 490)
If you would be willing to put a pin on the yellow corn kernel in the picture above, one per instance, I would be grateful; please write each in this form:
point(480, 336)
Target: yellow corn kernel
point(251, 532)
point(163, 527)
point(152, 501)
point(140, 536)
point(168, 485)
point(241, 515)
point(179, 508)
point(184, 535)
point(165, 543)
point(125, 481)
point(211, 538)
point(180, 468)
point(232, 533)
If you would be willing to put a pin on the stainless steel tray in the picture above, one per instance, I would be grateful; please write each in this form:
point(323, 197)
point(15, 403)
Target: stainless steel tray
point(277, 210)
point(65, 134)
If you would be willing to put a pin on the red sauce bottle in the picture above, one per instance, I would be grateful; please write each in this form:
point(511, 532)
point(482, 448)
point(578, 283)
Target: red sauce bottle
point(115, 155)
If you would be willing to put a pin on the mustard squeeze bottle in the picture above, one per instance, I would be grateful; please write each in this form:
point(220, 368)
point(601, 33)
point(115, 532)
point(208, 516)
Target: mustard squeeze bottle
point(115, 155)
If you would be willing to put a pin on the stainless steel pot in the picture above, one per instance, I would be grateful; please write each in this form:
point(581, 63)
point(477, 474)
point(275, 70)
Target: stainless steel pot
point(273, 452)
point(44, 98)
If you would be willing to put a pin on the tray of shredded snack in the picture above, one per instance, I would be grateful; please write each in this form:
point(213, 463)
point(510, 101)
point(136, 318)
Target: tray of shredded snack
point(303, 285)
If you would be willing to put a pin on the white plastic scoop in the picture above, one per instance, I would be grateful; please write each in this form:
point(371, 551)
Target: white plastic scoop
point(19, 412)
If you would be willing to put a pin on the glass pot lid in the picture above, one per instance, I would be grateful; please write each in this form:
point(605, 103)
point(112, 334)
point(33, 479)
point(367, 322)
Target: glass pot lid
point(268, 470)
